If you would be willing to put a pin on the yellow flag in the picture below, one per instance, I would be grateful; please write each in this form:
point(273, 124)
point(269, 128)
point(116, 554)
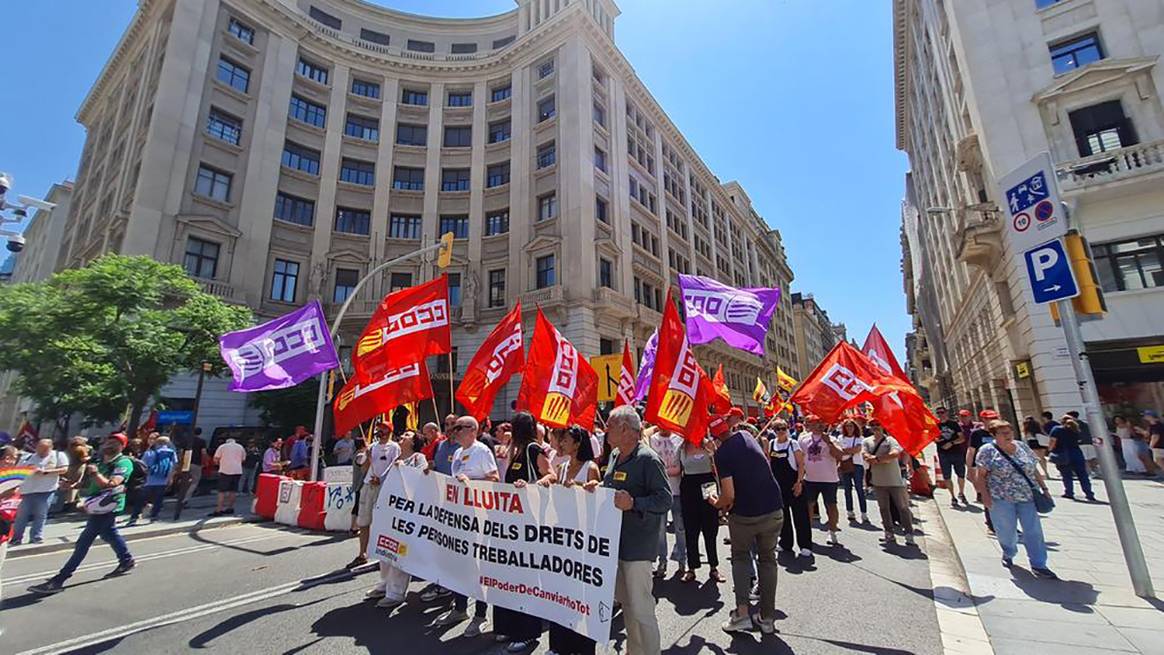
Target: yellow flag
point(413, 416)
point(784, 380)
point(760, 393)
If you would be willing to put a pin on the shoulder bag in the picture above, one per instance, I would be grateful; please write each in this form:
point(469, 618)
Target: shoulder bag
point(1043, 502)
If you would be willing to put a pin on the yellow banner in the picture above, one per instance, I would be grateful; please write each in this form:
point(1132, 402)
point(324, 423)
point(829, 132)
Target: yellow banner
point(1151, 354)
point(609, 369)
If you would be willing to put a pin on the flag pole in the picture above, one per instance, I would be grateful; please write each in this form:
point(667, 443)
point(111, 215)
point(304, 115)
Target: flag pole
point(452, 406)
point(436, 413)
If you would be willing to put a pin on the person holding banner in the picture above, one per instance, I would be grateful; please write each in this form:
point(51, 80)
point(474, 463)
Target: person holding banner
point(643, 496)
point(393, 583)
point(473, 460)
point(381, 456)
point(526, 462)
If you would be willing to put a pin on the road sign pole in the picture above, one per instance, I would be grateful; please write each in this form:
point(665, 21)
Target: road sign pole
point(1116, 495)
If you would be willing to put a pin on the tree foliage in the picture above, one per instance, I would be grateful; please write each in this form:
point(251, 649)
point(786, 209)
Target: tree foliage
point(98, 339)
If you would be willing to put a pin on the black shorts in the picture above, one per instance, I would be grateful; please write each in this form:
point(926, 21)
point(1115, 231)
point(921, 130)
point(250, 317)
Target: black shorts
point(228, 483)
point(826, 490)
point(952, 463)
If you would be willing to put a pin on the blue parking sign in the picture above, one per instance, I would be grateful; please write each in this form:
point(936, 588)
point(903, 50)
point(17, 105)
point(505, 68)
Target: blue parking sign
point(1049, 273)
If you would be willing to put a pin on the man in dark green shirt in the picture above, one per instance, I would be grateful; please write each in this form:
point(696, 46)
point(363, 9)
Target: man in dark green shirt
point(644, 497)
point(105, 498)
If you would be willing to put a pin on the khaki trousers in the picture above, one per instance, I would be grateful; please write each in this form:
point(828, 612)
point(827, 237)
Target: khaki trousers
point(633, 587)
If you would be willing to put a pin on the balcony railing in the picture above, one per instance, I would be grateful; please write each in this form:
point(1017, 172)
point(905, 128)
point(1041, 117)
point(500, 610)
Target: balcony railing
point(980, 239)
point(614, 302)
point(543, 297)
point(1112, 166)
point(221, 290)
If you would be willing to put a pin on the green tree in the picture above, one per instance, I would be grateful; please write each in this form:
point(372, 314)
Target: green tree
point(99, 339)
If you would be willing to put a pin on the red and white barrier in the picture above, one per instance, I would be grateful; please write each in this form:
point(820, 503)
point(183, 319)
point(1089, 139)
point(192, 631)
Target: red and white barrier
point(287, 509)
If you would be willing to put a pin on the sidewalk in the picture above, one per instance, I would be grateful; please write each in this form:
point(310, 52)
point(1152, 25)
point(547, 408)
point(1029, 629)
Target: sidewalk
point(1092, 609)
point(60, 533)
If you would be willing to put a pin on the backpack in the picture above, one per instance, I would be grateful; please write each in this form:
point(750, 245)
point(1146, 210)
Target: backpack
point(138, 477)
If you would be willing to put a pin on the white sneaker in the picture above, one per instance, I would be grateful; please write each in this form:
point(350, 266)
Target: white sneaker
point(736, 623)
point(767, 626)
point(434, 592)
point(387, 602)
point(374, 593)
point(806, 552)
point(864, 517)
point(451, 617)
point(851, 516)
point(476, 626)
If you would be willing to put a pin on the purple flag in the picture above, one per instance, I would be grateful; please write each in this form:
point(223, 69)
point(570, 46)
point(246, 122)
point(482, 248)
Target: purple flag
point(738, 316)
point(646, 366)
point(281, 352)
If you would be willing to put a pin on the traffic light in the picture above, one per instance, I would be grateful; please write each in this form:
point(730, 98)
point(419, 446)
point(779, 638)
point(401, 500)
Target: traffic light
point(1089, 304)
point(446, 252)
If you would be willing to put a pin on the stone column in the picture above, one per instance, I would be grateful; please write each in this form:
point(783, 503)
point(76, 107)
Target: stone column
point(329, 169)
point(389, 93)
point(430, 220)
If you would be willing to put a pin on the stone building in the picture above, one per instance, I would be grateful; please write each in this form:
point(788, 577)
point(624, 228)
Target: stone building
point(814, 333)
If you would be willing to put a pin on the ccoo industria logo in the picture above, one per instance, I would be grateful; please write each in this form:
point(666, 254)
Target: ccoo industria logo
point(390, 548)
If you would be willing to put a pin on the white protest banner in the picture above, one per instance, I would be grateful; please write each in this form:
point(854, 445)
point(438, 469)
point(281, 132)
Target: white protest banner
point(550, 552)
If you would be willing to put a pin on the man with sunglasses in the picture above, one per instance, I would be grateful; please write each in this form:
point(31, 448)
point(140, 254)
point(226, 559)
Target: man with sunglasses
point(952, 443)
point(883, 456)
point(380, 458)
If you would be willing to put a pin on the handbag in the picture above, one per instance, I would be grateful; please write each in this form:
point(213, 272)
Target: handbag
point(1043, 502)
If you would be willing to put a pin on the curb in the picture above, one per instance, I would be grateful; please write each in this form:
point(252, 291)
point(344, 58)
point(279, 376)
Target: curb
point(161, 531)
point(962, 630)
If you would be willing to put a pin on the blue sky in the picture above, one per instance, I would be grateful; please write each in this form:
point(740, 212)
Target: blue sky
point(793, 98)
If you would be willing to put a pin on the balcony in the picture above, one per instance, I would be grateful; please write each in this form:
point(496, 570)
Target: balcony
point(221, 290)
point(649, 316)
point(614, 303)
point(1105, 168)
point(980, 239)
point(544, 298)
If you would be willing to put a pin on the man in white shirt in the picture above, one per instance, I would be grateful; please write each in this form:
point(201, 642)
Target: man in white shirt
point(229, 457)
point(380, 458)
point(822, 454)
point(37, 490)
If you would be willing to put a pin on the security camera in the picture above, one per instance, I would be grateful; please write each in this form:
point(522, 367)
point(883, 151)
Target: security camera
point(5, 183)
point(36, 203)
point(16, 243)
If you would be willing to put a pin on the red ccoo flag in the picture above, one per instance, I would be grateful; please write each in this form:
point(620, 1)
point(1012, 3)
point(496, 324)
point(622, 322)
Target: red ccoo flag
point(844, 378)
point(626, 379)
point(721, 400)
point(407, 326)
point(358, 402)
point(680, 391)
point(899, 406)
point(877, 349)
point(558, 386)
point(498, 358)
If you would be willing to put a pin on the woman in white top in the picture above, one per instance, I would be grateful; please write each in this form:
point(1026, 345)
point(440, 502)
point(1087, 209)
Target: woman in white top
point(578, 469)
point(852, 468)
point(667, 446)
point(393, 583)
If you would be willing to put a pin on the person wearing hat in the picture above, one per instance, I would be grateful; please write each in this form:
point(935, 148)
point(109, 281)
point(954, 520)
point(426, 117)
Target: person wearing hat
point(979, 436)
point(381, 456)
point(105, 499)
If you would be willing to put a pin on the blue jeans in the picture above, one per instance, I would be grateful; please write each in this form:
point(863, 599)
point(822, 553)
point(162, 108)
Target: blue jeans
point(33, 512)
point(98, 525)
point(1007, 516)
point(851, 480)
point(679, 553)
point(1075, 467)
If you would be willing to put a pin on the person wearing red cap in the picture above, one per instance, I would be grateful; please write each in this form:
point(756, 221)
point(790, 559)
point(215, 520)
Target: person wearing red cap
point(105, 499)
point(979, 437)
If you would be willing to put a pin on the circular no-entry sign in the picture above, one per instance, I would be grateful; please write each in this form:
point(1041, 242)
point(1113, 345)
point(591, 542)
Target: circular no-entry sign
point(1022, 221)
point(1044, 211)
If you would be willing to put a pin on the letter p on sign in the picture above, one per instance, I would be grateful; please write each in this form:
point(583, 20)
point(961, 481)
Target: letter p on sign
point(1049, 273)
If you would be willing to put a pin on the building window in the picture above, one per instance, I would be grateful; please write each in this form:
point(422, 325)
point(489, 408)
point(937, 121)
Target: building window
point(233, 75)
point(497, 223)
point(497, 174)
point(325, 18)
point(463, 48)
point(502, 42)
point(500, 93)
point(357, 172)
point(546, 274)
point(372, 36)
point(410, 179)
point(499, 131)
point(600, 159)
point(365, 88)
point(458, 136)
point(497, 288)
point(346, 280)
point(308, 112)
point(1039, 4)
point(547, 206)
point(547, 155)
point(284, 280)
point(213, 184)
point(300, 158)
point(421, 46)
point(546, 109)
point(1076, 53)
point(362, 127)
point(605, 273)
point(460, 98)
point(413, 97)
point(294, 209)
point(600, 210)
point(404, 227)
point(352, 221)
point(458, 225)
point(545, 69)
point(454, 289)
point(599, 113)
point(398, 281)
point(455, 179)
point(1134, 264)
point(411, 135)
point(311, 71)
point(605, 346)
point(223, 126)
point(1102, 127)
point(241, 31)
point(201, 258)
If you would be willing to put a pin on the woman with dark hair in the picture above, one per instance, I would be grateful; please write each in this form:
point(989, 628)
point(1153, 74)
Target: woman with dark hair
point(852, 468)
point(527, 461)
point(578, 469)
point(1068, 457)
point(1037, 441)
point(700, 518)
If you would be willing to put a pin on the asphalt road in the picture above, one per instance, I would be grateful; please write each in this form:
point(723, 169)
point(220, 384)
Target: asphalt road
point(257, 588)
